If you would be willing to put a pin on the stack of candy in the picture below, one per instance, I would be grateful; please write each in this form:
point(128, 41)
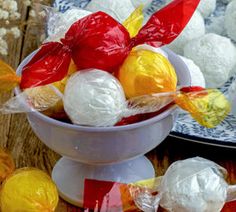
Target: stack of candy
point(99, 75)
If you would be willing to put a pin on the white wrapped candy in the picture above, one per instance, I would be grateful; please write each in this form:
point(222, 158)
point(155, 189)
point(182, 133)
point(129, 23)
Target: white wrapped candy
point(215, 55)
point(197, 78)
point(194, 185)
point(118, 9)
point(94, 97)
point(230, 20)
point(194, 29)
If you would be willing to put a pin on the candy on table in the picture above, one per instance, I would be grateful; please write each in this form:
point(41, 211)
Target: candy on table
point(191, 185)
point(230, 20)
point(197, 78)
point(28, 189)
point(194, 29)
point(7, 165)
point(95, 98)
point(215, 55)
point(146, 72)
point(105, 41)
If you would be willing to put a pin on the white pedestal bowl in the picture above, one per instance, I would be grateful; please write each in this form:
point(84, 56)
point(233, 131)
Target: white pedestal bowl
point(109, 153)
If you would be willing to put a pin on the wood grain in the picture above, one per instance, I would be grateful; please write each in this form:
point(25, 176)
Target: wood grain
point(27, 150)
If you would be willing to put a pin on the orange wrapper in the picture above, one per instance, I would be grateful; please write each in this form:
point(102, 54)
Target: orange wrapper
point(8, 77)
point(7, 165)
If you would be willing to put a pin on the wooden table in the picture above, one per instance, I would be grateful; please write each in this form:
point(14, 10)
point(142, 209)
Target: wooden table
point(27, 150)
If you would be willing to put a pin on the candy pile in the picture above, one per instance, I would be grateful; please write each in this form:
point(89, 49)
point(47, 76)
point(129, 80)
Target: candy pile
point(102, 72)
point(211, 30)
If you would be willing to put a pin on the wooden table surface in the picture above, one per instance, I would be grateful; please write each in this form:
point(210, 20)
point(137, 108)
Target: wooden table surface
point(27, 150)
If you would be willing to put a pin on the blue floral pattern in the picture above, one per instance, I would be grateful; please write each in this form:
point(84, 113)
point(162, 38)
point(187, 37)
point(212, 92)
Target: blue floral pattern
point(185, 126)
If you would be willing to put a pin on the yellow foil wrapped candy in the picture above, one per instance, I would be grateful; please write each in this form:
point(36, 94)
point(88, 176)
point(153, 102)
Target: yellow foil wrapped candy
point(208, 107)
point(146, 72)
point(29, 190)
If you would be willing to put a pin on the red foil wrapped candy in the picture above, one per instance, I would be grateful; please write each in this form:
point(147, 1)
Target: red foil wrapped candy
point(99, 41)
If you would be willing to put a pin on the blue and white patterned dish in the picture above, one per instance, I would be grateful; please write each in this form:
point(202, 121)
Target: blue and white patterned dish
point(185, 127)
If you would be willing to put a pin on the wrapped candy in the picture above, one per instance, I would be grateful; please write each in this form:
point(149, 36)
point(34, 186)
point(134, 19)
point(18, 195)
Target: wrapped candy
point(145, 72)
point(191, 185)
point(7, 165)
point(106, 42)
point(94, 97)
point(28, 189)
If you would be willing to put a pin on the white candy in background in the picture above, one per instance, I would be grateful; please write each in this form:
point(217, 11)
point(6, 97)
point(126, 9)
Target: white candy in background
point(61, 22)
point(94, 98)
point(118, 9)
point(215, 55)
point(194, 185)
point(217, 25)
point(206, 7)
point(197, 78)
point(194, 29)
point(145, 3)
point(230, 20)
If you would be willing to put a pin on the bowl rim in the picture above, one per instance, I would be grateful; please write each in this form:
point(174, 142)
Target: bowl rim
point(61, 124)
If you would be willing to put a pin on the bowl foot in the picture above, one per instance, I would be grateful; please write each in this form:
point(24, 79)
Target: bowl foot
point(69, 175)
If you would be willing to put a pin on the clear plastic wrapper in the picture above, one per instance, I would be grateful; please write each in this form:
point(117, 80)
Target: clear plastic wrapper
point(32, 99)
point(191, 185)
